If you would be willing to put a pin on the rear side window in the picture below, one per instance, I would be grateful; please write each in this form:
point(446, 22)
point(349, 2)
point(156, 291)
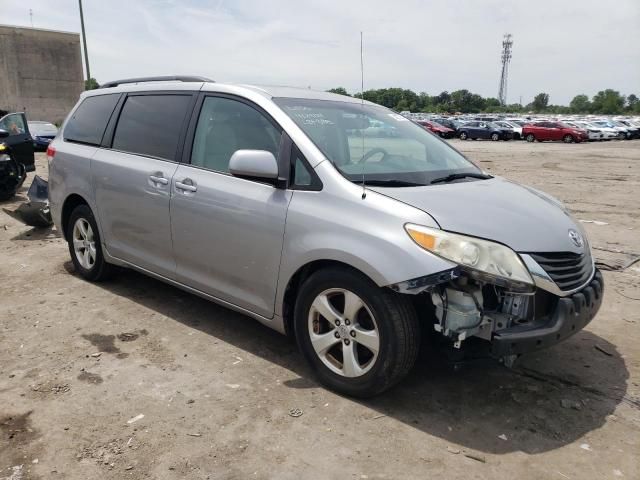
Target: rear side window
point(151, 125)
point(90, 119)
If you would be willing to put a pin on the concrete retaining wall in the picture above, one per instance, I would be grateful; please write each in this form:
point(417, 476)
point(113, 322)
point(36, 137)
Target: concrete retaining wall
point(40, 72)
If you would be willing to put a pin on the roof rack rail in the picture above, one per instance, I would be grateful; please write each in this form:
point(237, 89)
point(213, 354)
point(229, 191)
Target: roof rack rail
point(165, 78)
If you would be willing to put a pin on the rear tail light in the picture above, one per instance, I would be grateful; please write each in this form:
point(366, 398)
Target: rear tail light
point(51, 152)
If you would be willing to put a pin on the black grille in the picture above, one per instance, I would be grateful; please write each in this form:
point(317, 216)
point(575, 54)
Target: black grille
point(568, 270)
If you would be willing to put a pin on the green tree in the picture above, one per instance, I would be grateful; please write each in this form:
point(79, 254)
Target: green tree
point(608, 101)
point(493, 105)
point(540, 102)
point(580, 104)
point(633, 103)
point(91, 84)
point(339, 91)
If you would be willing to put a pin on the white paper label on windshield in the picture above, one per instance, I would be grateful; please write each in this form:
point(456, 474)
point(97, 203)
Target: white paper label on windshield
point(397, 117)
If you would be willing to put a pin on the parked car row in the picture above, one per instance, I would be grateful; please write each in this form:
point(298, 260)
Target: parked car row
point(569, 130)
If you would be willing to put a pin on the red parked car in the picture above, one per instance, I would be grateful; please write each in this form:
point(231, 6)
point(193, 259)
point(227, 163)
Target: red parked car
point(441, 130)
point(542, 131)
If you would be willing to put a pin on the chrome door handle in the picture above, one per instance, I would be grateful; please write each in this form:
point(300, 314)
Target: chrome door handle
point(160, 180)
point(186, 187)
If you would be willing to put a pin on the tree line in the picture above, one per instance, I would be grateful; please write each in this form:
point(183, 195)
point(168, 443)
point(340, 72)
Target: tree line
point(607, 102)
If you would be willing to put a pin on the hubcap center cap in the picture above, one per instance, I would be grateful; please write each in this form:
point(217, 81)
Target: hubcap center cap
point(343, 331)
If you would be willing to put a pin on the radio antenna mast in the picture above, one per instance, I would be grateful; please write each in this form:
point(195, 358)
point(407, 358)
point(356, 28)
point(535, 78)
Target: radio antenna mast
point(364, 191)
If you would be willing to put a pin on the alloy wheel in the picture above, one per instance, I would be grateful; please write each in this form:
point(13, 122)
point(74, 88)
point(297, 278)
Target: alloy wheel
point(343, 332)
point(84, 245)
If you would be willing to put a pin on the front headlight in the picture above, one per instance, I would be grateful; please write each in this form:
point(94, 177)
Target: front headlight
point(490, 258)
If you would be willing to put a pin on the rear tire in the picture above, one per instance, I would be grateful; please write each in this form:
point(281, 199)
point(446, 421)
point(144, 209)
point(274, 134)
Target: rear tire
point(530, 137)
point(357, 309)
point(463, 135)
point(85, 248)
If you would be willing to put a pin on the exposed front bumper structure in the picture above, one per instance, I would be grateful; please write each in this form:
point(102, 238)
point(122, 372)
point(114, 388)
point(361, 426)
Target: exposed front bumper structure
point(571, 314)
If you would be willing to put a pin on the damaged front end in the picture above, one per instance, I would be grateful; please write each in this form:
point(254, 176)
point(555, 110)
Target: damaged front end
point(465, 305)
point(553, 296)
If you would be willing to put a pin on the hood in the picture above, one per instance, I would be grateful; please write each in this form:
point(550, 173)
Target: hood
point(520, 217)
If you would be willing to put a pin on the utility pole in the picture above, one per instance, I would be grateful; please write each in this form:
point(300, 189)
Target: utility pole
point(507, 43)
point(31, 17)
point(84, 42)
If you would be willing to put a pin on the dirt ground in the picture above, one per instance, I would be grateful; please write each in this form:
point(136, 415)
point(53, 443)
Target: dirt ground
point(134, 379)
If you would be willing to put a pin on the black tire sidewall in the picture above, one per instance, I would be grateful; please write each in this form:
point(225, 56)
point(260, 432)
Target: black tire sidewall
point(374, 380)
point(100, 268)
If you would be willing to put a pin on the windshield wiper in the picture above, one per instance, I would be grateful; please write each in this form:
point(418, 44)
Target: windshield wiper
point(389, 183)
point(458, 176)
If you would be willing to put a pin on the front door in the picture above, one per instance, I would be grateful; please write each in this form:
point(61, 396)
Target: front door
point(227, 231)
point(19, 139)
point(132, 180)
point(484, 131)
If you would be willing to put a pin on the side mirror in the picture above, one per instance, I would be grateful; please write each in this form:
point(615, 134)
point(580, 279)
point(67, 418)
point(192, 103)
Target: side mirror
point(254, 165)
point(3, 133)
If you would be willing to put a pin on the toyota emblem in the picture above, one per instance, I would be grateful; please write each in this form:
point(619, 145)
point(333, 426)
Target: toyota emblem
point(576, 238)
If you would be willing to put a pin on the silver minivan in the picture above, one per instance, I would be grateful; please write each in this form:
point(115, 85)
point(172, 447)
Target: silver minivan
point(334, 220)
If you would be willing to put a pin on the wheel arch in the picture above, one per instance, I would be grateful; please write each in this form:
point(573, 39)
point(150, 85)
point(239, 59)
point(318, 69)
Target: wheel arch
point(298, 278)
point(70, 203)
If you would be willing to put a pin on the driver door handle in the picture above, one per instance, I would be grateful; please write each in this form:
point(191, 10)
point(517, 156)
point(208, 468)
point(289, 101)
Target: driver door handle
point(160, 180)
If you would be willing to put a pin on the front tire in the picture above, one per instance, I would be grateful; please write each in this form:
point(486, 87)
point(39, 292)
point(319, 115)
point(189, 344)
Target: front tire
point(85, 247)
point(359, 338)
point(495, 137)
point(568, 139)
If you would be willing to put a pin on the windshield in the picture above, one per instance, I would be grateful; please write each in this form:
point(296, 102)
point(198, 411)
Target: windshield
point(374, 143)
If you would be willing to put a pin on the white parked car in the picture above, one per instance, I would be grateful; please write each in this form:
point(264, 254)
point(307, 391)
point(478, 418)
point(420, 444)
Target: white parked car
point(595, 133)
point(607, 133)
point(514, 127)
point(620, 131)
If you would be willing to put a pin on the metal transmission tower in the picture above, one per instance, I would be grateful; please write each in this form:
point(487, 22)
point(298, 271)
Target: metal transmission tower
point(507, 43)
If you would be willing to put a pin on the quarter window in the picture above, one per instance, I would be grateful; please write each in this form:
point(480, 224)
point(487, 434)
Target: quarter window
point(89, 120)
point(227, 125)
point(151, 125)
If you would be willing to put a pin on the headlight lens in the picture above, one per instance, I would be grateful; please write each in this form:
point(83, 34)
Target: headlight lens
point(487, 257)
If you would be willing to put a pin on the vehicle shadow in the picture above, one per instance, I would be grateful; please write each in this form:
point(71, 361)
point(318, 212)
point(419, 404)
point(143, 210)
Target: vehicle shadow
point(550, 399)
point(38, 233)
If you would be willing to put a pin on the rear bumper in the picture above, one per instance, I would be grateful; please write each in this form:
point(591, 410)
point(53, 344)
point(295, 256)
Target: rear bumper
point(570, 315)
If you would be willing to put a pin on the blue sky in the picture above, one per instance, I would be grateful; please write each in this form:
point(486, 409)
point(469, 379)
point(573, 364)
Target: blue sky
point(560, 47)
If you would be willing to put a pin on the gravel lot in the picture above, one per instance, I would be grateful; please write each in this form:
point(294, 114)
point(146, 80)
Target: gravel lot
point(136, 379)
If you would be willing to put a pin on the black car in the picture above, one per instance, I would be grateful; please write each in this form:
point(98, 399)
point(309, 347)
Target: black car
point(485, 130)
point(19, 139)
point(16, 153)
